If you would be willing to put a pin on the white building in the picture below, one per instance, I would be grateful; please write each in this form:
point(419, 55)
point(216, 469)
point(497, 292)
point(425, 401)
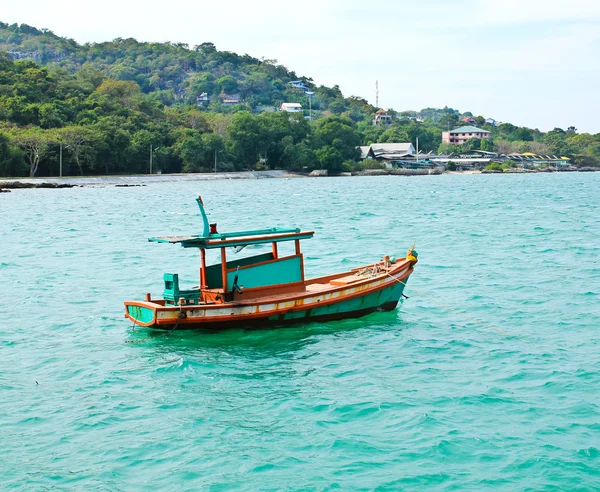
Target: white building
point(387, 153)
point(291, 107)
point(391, 151)
point(299, 84)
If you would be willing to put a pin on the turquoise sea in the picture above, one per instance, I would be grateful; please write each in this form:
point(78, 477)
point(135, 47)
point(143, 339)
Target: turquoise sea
point(421, 398)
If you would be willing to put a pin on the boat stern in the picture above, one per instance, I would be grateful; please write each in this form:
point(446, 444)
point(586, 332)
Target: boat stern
point(141, 313)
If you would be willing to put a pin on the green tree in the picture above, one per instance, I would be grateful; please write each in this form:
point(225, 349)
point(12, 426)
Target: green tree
point(123, 92)
point(11, 158)
point(298, 156)
point(394, 135)
point(557, 143)
point(330, 158)
point(336, 141)
point(227, 84)
point(337, 106)
point(190, 148)
point(447, 149)
point(274, 128)
point(78, 140)
point(34, 142)
point(245, 141)
point(471, 144)
point(486, 145)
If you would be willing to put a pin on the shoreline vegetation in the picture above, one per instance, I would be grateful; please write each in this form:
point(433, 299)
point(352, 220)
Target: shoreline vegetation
point(145, 179)
point(125, 107)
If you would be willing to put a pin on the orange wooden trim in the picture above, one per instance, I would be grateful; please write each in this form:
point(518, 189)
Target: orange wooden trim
point(260, 263)
point(297, 246)
point(302, 307)
point(141, 304)
point(274, 286)
point(266, 292)
point(224, 268)
point(203, 284)
point(275, 255)
point(301, 295)
point(266, 314)
point(149, 305)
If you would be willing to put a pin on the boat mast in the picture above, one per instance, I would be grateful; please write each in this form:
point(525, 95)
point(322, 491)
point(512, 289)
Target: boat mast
point(203, 282)
point(206, 231)
point(224, 268)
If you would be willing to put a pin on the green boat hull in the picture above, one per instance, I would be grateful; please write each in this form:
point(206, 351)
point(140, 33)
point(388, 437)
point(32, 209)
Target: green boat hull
point(384, 299)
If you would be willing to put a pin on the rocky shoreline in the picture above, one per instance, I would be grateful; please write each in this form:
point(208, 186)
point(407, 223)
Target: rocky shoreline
point(145, 179)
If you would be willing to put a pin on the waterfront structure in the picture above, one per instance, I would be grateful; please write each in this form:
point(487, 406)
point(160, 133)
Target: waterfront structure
point(365, 152)
point(530, 160)
point(460, 135)
point(291, 107)
point(387, 151)
point(479, 159)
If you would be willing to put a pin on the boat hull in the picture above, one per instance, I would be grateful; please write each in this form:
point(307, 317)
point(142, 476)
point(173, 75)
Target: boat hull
point(378, 293)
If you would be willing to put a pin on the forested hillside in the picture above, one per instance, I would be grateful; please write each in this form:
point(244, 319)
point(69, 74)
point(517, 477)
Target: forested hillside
point(111, 104)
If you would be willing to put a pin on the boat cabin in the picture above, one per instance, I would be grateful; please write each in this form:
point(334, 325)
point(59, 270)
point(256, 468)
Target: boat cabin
point(260, 275)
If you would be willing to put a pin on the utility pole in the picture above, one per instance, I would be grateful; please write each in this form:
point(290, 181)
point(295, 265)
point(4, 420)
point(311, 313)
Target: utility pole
point(310, 94)
point(217, 152)
point(60, 162)
point(417, 150)
point(151, 155)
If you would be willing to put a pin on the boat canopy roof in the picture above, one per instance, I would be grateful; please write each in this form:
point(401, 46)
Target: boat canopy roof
point(214, 241)
point(211, 239)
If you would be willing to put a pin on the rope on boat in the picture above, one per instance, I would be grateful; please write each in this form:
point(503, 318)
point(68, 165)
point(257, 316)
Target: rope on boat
point(470, 318)
point(179, 316)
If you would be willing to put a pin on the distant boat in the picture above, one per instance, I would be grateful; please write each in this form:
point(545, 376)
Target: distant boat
point(267, 289)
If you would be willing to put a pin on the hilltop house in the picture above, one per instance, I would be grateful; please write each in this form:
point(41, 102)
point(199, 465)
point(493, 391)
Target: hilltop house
point(230, 99)
point(382, 118)
point(299, 84)
point(460, 135)
point(202, 98)
point(291, 107)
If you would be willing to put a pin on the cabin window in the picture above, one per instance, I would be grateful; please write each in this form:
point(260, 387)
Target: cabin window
point(286, 248)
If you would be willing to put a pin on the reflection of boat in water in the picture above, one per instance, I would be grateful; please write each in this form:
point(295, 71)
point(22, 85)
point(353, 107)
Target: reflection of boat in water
point(269, 288)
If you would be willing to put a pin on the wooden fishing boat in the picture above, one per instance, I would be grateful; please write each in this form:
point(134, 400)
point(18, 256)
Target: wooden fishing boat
point(269, 288)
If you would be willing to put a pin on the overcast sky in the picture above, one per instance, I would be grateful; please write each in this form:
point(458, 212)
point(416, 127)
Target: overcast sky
point(529, 62)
